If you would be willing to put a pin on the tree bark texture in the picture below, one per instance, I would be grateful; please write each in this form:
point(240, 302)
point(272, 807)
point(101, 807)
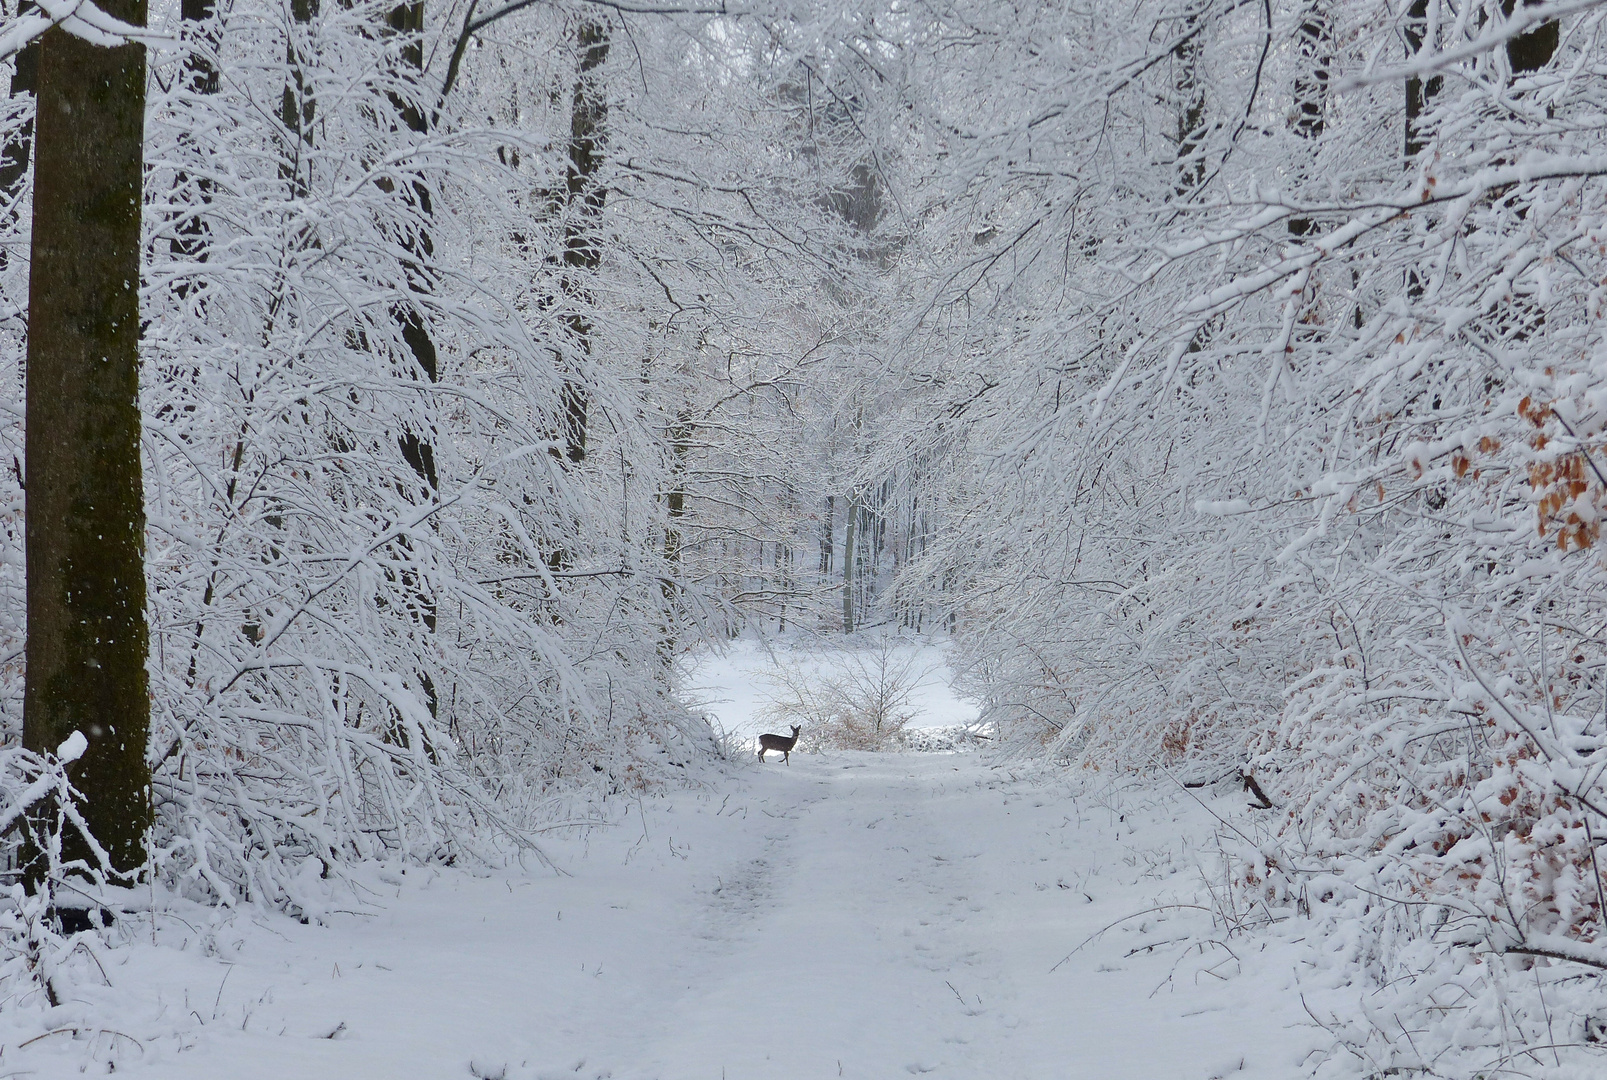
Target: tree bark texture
point(87, 638)
point(828, 529)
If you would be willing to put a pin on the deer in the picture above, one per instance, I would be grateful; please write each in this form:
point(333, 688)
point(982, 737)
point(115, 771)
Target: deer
point(780, 743)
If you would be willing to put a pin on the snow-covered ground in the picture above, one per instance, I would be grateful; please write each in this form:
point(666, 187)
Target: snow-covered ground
point(734, 685)
point(854, 915)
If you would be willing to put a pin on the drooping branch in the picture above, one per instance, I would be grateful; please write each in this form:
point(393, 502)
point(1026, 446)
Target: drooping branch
point(472, 25)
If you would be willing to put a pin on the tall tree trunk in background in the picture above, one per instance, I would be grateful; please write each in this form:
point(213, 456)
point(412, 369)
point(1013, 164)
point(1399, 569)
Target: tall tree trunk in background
point(87, 638)
point(1525, 315)
point(680, 440)
point(1531, 51)
point(1190, 93)
point(201, 77)
point(1420, 92)
point(584, 198)
point(784, 562)
point(828, 529)
point(299, 105)
point(199, 67)
point(1315, 47)
point(850, 518)
point(680, 437)
point(418, 447)
point(581, 202)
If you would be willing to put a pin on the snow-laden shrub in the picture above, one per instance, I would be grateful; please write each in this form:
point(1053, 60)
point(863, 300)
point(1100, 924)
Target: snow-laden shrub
point(849, 699)
point(954, 739)
point(393, 614)
point(37, 808)
point(1303, 475)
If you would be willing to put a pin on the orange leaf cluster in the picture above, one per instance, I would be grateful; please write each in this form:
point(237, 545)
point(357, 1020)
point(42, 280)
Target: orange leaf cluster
point(1567, 500)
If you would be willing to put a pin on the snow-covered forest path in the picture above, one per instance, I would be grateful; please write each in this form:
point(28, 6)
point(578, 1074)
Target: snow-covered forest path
point(854, 915)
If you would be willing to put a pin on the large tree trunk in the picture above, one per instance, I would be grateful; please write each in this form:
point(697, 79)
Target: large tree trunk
point(87, 639)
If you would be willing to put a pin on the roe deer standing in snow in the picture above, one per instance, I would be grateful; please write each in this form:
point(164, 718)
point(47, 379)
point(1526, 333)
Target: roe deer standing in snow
point(779, 742)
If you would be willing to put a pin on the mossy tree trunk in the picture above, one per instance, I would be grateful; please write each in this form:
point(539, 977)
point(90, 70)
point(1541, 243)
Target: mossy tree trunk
point(87, 638)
